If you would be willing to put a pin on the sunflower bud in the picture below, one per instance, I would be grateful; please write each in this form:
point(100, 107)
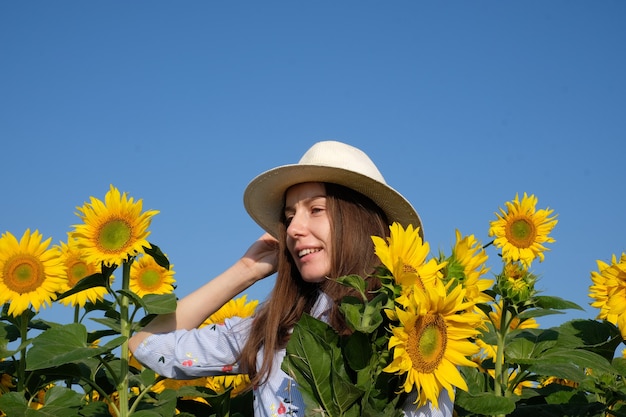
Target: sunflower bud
point(516, 283)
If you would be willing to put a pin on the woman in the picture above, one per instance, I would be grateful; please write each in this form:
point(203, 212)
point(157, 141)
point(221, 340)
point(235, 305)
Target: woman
point(319, 216)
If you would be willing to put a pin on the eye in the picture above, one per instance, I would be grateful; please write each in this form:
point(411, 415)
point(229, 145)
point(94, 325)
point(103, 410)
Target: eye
point(318, 206)
point(288, 217)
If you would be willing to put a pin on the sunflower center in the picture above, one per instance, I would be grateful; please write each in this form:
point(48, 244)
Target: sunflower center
point(114, 235)
point(76, 272)
point(23, 274)
point(521, 233)
point(150, 279)
point(427, 342)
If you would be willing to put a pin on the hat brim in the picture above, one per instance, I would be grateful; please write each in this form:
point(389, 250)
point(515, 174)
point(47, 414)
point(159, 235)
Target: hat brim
point(264, 195)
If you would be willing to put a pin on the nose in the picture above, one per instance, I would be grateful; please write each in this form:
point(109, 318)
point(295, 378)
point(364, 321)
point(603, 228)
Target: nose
point(297, 225)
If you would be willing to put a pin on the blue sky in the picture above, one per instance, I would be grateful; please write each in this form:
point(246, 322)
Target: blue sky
point(462, 104)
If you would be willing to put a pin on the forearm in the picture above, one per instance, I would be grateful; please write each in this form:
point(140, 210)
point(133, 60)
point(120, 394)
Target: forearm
point(192, 310)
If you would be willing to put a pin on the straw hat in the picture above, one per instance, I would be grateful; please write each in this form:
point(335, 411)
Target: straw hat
point(327, 161)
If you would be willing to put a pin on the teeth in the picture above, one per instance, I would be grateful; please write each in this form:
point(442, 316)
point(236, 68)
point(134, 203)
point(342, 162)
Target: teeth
point(307, 251)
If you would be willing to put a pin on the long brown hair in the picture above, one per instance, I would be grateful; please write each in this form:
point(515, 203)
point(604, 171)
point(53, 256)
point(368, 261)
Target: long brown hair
point(354, 218)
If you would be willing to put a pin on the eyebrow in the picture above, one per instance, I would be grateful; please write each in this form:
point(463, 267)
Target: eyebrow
point(307, 200)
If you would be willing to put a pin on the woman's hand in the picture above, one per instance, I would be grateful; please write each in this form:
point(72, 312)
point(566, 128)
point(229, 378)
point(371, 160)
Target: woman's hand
point(262, 256)
point(259, 261)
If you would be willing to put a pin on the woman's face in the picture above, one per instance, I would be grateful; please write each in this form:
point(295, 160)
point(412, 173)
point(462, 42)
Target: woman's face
point(308, 230)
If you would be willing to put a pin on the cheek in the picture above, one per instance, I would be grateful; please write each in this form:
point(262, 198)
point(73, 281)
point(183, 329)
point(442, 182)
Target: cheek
point(328, 242)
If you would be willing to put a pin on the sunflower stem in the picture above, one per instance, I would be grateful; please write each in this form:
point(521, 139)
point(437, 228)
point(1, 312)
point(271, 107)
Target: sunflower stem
point(125, 327)
point(146, 390)
point(68, 382)
point(499, 377)
point(21, 370)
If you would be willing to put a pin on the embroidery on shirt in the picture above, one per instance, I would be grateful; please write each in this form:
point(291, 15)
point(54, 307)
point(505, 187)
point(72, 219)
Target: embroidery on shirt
point(286, 406)
point(188, 362)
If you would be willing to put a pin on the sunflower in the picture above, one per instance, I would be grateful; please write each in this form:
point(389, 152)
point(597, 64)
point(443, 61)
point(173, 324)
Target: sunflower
point(113, 230)
point(609, 291)
point(516, 283)
point(30, 273)
point(38, 401)
point(217, 384)
point(404, 254)
point(519, 386)
point(560, 381)
point(77, 268)
point(237, 307)
point(467, 265)
point(521, 230)
point(220, 383)
point(7, 383)
point(148, 277)
point(432, 340)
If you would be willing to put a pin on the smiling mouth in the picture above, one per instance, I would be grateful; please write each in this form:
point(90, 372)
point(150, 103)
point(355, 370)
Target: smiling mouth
point(305, 252)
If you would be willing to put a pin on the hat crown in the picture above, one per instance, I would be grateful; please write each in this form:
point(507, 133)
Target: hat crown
point(340, 155)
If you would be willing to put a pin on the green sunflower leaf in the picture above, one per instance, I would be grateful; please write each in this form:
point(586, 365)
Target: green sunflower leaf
point(313, 358)
point(485, 404)
point(64, 344)
point(354, 281)
point(529, 343)
point(601, 337)
point(95, 280)
point(357, 350)
point(159, 303)
point(158, 256)
point(555, 303)
point(364, 317)
point(553, 361)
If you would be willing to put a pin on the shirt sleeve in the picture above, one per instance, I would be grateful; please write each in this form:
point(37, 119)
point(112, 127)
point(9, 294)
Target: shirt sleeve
point(188, 354)
point(446, 407)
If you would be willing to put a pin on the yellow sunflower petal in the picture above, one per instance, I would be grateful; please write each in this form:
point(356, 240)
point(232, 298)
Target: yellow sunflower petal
point(450, 376)
point(403, 250)
point(238, 307)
